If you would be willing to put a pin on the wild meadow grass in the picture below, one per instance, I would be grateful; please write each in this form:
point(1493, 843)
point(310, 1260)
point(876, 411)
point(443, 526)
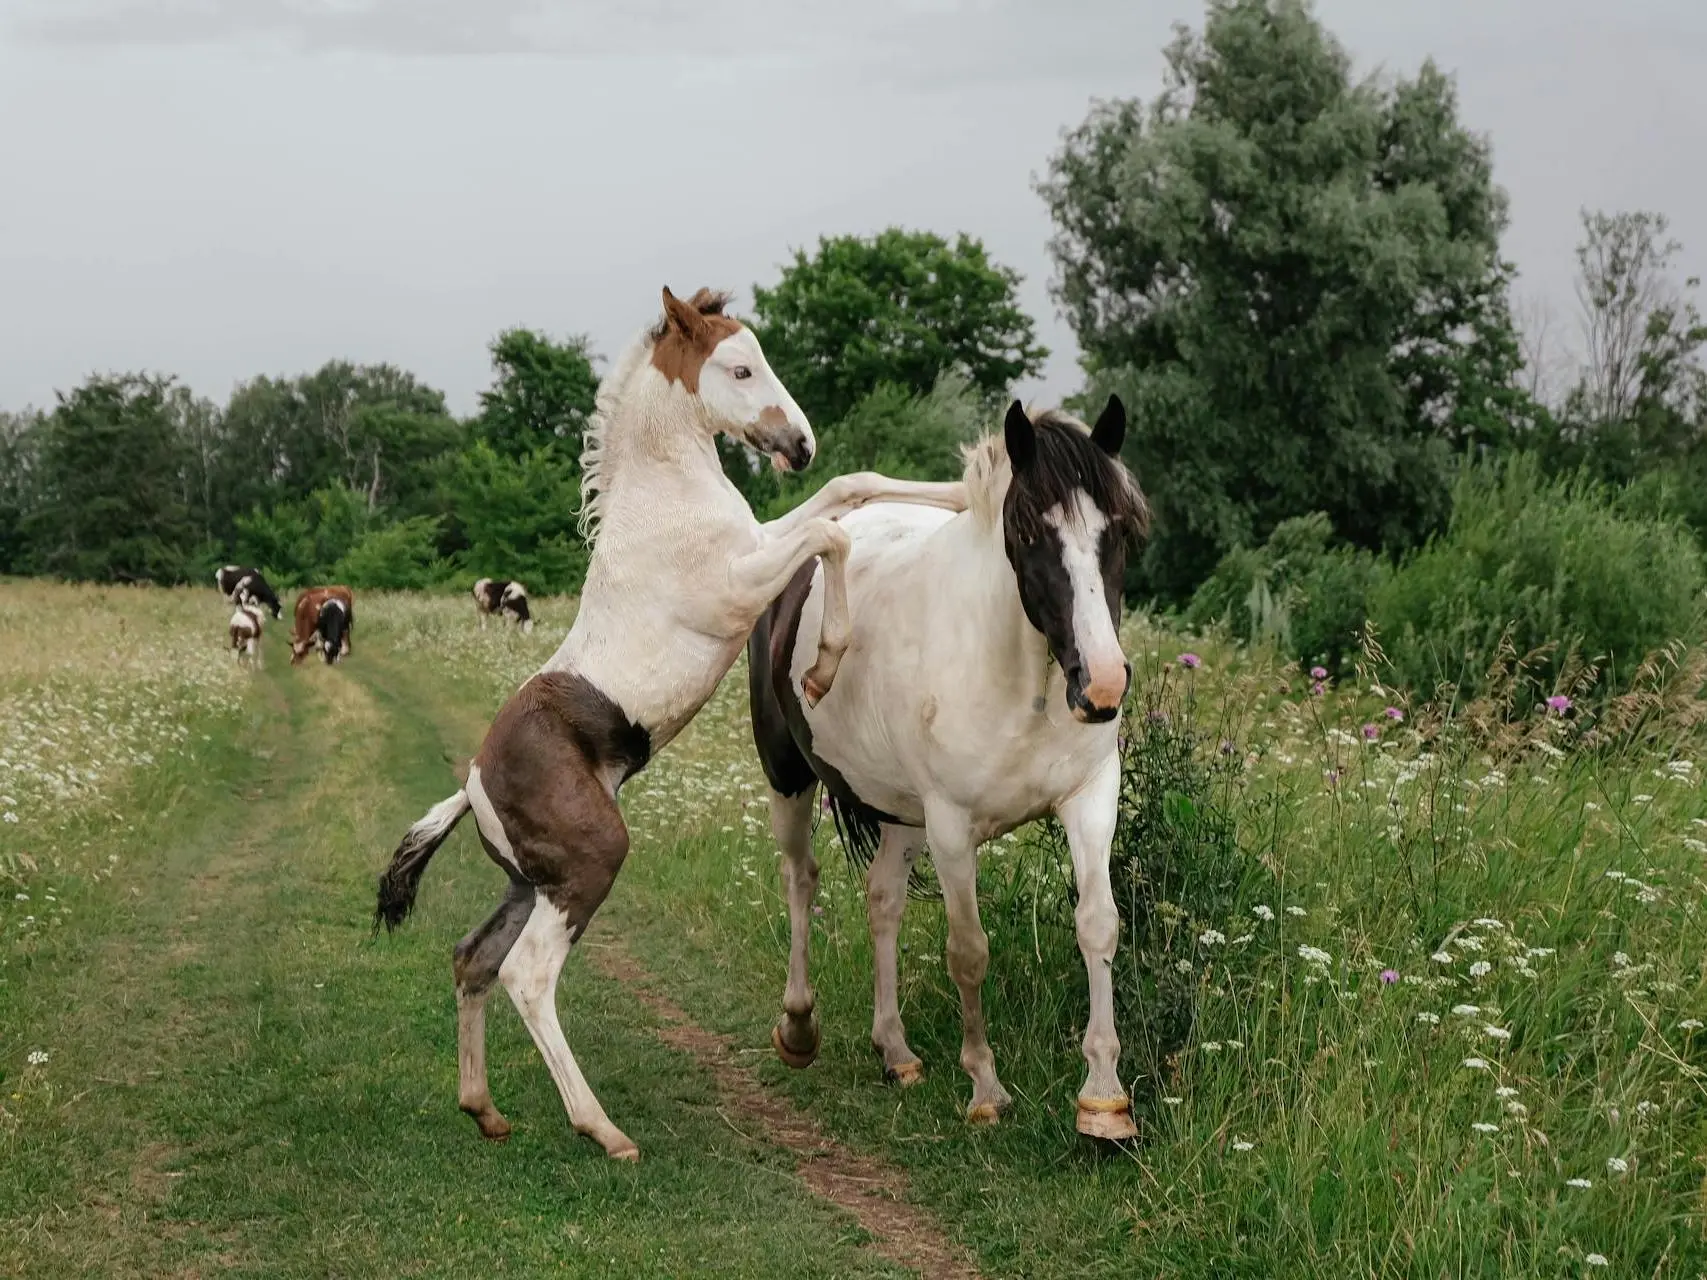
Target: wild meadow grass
point(1403, 989)
point(98, 687)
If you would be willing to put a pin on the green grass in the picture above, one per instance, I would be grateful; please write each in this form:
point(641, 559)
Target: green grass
point(242, 1080)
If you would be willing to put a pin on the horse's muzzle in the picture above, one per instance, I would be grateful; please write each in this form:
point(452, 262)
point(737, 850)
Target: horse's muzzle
point(1099, 711)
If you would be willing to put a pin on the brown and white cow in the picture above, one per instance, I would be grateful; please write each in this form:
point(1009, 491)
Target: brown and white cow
point(246, 633)
point(507, 599)
point(324, 616)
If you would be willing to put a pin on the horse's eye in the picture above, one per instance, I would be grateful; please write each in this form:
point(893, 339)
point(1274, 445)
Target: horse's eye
point(742, 372)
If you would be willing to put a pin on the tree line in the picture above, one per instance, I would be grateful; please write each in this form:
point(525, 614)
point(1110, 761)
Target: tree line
point(1291, 274)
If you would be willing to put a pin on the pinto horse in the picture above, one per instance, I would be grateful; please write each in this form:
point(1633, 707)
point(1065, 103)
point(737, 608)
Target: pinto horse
point(680, 571)
point(980, 691)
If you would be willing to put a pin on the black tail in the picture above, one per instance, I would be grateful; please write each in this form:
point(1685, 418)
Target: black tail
point(397, 887)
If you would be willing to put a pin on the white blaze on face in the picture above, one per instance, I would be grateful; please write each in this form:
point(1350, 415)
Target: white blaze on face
point(1080, 530)
point(748, 401)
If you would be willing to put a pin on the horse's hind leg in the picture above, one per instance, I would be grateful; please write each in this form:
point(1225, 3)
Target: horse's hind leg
point(477, 960)
point(530, 975)
point(885, 898)
point(796, 1032)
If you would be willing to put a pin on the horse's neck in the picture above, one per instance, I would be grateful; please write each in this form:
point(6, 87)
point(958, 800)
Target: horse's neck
point(977, 584)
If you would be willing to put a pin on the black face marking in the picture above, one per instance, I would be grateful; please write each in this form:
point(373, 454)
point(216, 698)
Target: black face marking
point(332, 626)
point(1056, 464)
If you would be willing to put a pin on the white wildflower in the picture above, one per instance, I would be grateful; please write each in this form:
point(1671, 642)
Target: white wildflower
point(1211, 937)
point(1466, 1010)
point(1469, 943)
point(1487, 922)
point(1295, 911)
point(1595, 1259)
point(1182, 966)
point(1482, 1126)
point(1505, 1091)
point(1620, 959)
point(1314, 955)
point(1690, 1024)
point(1173, 1102)
point(1433, 1019)
point(1263, 912)
point(1476, 1064)
point(1694, 845)
point(1242, 1145)
point(1617, 1164)
point(1516, 1109)
point(1242, 939)
point(9, 816)
point(37, 1058)
point(1496, 1033)
point(1591, 806)
point(1442, 957)
point(1614, 875)
point(1480, 969)
point(1211, 1046)
point(1641, 799)
point(1581, 1183)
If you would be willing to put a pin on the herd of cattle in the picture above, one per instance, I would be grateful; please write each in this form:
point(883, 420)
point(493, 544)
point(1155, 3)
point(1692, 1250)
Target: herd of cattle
point(325, 616)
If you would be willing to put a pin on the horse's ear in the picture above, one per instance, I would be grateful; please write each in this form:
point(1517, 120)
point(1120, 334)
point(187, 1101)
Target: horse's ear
point(1020, 436)
point(1110, 429)
point(681, 316)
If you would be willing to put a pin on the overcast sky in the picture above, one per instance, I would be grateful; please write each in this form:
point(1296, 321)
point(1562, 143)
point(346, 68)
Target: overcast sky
point(221, 188)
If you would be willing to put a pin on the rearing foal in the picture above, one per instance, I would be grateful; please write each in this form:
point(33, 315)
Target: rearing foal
point(680, 571)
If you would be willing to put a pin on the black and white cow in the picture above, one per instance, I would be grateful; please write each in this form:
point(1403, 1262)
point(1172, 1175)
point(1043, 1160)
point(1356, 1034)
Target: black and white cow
point(508, 599)
point(243, 585)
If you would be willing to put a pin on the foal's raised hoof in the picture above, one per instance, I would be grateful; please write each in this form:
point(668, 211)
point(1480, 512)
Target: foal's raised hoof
point(1109, 1119)
point(796, 1041)
point(905, 1074)
point(813, 689)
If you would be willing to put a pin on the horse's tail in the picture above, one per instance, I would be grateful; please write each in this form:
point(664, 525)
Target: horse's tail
point(402, 878)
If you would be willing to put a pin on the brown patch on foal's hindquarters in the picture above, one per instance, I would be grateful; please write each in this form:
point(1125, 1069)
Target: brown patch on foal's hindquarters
point(871, 1189)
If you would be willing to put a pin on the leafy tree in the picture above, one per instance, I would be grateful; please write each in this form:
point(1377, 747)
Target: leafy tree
point(110, 504)
point(20, 446)
point(393, 557)
point(542, 394)
point(518, 515)
point(300, 541)
point(1294, 281)
point(899, 307)
point(1642, 392)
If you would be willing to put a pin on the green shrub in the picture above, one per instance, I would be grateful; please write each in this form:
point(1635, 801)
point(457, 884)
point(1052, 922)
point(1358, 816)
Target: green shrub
point(300, 542)
point(1564, 563)
point(518, 515)
point(1297, 592)
point(393, 557)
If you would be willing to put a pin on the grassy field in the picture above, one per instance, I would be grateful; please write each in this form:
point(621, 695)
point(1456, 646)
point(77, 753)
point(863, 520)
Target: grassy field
point(1401, 994)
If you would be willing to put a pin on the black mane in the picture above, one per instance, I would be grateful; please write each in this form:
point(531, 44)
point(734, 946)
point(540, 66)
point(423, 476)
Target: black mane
point(1068, 460)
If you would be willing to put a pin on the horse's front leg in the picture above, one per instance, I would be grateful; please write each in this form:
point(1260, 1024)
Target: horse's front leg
point(759, 577)
point(1089, 817)
point(845, 493)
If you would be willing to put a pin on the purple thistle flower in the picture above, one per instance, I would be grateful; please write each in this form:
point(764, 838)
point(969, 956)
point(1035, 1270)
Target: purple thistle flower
point(1371, 732)
point(1157, 717)
point(1333, 776)
point(1558, 704)
point(1190, 661)
point(1389, 977)
point(1318, 673)
point(1394, 714)
point(1318, 688)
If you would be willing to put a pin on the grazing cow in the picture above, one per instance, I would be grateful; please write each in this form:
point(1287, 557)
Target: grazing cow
point(242, 585)
point(313, 626)
point(508, 599)
point(246, 633)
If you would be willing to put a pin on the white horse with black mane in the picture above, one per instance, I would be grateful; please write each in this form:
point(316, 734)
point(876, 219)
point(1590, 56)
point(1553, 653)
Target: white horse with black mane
point(981, 690)
point(680, 571)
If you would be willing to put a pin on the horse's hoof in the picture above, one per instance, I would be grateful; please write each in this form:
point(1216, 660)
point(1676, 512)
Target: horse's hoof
point(812, 690)
point(905, 1074)
point(1109, 1119)
point(630, 1153)
point(799, 1059)
point(987, 1113)
point(493, 1126)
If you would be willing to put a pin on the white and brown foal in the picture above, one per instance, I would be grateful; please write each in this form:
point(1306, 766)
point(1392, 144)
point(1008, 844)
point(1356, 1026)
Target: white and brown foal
point(981, 690)
point(680, 571)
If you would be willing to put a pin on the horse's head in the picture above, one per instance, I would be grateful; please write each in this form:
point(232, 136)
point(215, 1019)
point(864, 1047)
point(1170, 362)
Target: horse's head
point(717, 361)
point(1069, 512)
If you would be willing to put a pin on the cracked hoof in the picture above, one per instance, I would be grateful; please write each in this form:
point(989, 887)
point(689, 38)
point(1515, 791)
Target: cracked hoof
point(905, 1074)
point(795, 1056)
point(1108, 1119)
